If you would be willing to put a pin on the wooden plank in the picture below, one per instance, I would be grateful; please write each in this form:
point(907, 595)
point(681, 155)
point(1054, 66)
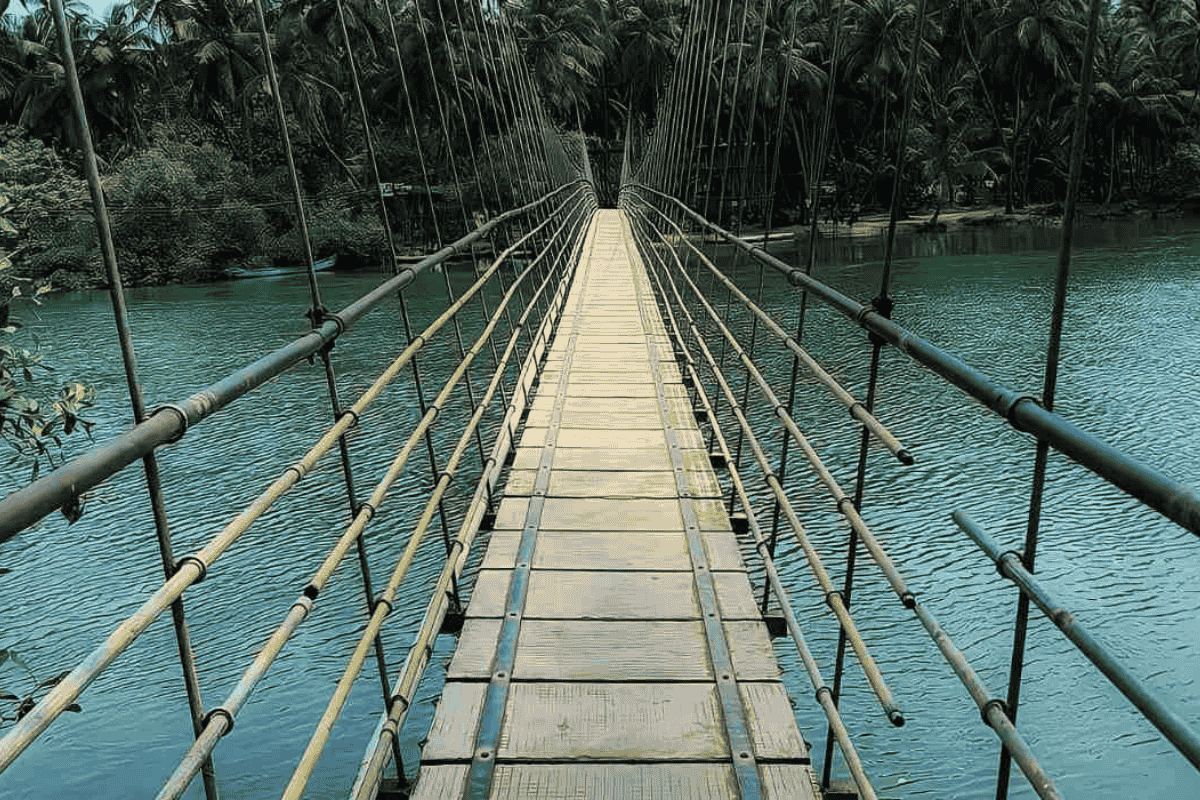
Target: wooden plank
point(440, 782)
point(579, 594)
point(589, 483)
point(611, 550)
point(650, 458)
point(608, 650)
point(771, 720)
point(625, 722)
point(612, 659)
point(582, 514)
point(613, 782)
point(617, 782)
point(611, 722)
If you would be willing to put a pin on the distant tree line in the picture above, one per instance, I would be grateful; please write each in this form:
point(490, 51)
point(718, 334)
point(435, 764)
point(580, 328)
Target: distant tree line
point(180, 108)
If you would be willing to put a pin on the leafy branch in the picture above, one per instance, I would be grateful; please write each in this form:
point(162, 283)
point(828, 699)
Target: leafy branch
point(14, 707)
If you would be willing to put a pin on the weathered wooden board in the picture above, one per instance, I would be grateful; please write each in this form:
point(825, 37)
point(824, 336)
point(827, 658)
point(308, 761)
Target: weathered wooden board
point(616, 483)
point(616, 722)
point(608, 650)
point(613, 550)
point(618, 782)
point(613, 685)
point(578, 594)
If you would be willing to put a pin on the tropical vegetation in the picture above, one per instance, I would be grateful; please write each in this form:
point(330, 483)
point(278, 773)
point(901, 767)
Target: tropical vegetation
point(183, 115)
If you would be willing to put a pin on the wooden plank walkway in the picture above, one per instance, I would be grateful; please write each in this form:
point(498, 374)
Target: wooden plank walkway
point(612, 647)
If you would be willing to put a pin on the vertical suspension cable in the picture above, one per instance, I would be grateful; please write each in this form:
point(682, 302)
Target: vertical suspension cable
point(883, 306)
point(1050, 384)
point(416, 130)
point(791, 402)
point(762, 35)
point(810, 261)
point(116, 293)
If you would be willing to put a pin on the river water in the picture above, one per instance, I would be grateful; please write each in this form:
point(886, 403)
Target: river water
point(1131, 374)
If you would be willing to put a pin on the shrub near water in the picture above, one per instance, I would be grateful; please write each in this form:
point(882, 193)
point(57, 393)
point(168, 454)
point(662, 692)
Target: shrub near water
point(180, 214)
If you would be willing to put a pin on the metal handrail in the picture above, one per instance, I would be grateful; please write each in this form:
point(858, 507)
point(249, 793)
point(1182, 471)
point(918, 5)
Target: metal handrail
point(192, 568)
point(378, 748)
point(1008, 563)
point(1172, 499)
point(22, 508)
point(992, 710)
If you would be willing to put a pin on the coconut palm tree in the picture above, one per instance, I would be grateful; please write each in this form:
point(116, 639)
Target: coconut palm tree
point(565, 45)
point(1032, 47)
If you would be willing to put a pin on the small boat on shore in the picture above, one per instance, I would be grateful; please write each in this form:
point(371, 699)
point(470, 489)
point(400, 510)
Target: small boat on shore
point(275, 272)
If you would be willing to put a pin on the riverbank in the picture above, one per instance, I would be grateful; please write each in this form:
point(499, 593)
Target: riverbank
point(954, 220)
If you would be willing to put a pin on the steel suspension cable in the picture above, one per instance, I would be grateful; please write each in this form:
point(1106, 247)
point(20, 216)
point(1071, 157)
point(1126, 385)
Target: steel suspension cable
point(1171, 498)
point(822, 693)
point(221, 719)
point(412, 116)
point(883, 304)
point(992, 710)
point(832, 597)
point(421, 651)
point(856, 408)
point(22, 508)
point(193, 568)
point(684, 153)
point(1050, 382)
point(116, 293)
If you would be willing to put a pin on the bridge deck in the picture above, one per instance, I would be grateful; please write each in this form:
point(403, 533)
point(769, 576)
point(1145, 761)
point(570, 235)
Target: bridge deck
point(612, 647)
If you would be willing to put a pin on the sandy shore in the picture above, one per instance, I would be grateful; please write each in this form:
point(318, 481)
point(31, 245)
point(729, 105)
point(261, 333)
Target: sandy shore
point(953, 219)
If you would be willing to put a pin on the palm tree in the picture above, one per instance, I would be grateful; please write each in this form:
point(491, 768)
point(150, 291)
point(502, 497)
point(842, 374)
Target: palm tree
point(114, 65)
point(1138, 105)
point(210, 46)
point(646, 37)
point(565, 45)
point(1033, 49)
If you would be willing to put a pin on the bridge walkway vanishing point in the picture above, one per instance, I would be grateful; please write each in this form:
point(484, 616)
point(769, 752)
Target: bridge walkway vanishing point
point(612, 647)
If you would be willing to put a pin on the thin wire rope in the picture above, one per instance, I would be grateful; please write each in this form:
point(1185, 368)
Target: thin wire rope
point(833, 599)
point(791, 401)
point(882, 305)
point(476, 85)
point(406, 684)
point(697, 89)
point(1050, 383)
point(821, 691)
point(742, 205)
point(992, 710)
point(416, 132)
point(733, 114)
point(343, 446)
point(221, 720)
point(150, 469)
point(366, 123)
point(320, 736)
point(672, 123)
point(194, 567)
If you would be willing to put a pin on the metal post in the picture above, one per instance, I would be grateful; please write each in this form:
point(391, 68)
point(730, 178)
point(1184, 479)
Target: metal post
point(116, 293)
point(1020, 627)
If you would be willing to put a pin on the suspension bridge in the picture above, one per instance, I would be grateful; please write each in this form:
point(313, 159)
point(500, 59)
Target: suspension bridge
point(608, 499)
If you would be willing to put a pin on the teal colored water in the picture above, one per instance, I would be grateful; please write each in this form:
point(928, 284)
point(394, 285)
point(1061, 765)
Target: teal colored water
point(1130, 375)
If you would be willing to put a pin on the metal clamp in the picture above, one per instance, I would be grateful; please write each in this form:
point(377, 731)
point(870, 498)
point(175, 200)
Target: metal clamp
point(1010, 407)
point(218, 712)
point(378, 601)
point(193, 560)
point(183, 420)
point(995, 702)
point(1000, 560)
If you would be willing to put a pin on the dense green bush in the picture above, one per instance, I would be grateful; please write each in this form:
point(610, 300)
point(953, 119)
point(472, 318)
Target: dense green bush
point(181, 213)
point(50, 227)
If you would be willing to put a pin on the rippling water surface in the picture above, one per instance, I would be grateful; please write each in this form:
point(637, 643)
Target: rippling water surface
point(1131, 374)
